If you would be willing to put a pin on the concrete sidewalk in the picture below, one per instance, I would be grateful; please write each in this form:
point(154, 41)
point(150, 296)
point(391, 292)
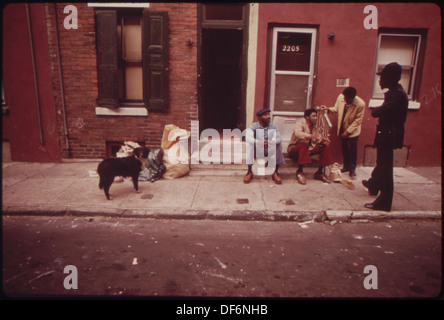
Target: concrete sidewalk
point(213, 192)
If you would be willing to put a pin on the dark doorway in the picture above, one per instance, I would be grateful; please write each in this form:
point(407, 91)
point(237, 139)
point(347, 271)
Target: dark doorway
point(221, 82)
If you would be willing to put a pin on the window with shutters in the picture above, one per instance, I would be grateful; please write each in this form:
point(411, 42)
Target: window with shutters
point(132, 55)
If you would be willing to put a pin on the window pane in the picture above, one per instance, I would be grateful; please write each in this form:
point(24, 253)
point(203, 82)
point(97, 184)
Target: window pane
point(223, 12)
point(133, 81)
point(406, 81)
point(293, 51)
point(132, 38)
point(291, 93)
point(402, 49)
point(398, 48)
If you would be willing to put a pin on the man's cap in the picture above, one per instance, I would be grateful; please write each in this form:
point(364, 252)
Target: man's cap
point(392, 70)
point(262, 111)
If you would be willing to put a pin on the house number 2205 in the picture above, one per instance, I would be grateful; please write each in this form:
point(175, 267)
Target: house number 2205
point(290, 48)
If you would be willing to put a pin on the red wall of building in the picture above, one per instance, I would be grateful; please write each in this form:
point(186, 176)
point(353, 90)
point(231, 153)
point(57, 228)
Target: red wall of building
point(352, 54)
point(21, 126)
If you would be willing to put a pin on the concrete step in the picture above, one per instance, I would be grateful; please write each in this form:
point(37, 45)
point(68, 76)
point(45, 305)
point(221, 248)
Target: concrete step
point(211, 160)
point(211, 169)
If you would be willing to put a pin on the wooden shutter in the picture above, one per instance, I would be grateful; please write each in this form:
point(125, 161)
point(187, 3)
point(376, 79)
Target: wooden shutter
point(155, 60)
point(107, 61)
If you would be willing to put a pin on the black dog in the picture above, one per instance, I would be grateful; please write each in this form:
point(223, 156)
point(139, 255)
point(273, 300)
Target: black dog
point(131, 166)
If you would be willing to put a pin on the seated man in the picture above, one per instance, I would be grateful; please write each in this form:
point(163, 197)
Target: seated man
point(264, 142)
point(300, 147)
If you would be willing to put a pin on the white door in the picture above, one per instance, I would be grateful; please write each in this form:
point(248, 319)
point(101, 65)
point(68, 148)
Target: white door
point(292, 71)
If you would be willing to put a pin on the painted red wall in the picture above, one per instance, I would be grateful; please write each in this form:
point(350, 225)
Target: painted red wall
point(21, 126)
point(352, 54)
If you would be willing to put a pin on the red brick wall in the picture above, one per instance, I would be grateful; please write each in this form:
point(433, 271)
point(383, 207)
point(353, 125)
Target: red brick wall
point(88, 132)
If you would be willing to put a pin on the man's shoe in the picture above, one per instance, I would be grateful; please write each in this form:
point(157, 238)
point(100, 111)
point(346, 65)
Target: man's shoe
point(372, 206)
point(248, 177)
point(276, 178)
point(344, 170)
point(321, 177)
point(370, 192)
point(352, 174)
point(301, 177)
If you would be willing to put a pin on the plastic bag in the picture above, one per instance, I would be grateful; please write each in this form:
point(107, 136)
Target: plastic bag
point(335, 173)
point(154, 167)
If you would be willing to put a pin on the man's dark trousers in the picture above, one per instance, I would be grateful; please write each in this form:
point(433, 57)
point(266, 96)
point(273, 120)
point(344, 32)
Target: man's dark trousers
point(350, 153)
point(382, 178)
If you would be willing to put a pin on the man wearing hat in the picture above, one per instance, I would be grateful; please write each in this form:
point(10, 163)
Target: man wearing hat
point(389, 135)
point(264, 142)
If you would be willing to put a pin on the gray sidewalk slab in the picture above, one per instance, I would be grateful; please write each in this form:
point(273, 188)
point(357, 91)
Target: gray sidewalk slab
point(209, 192)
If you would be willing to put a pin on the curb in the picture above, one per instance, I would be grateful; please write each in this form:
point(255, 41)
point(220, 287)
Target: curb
point(230, 215)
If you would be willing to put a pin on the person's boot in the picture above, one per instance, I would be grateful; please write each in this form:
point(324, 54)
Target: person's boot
point(248, 177)
point(276, 178)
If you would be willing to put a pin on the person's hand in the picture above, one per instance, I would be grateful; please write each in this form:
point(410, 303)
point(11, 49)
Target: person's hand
point(345, 135)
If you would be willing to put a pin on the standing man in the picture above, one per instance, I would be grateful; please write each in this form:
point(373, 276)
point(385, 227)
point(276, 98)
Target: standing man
point(264, 142)
point(389, 135)
point(300, 148)
point(350, 109)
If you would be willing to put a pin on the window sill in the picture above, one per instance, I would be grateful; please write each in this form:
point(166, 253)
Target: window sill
point(413, 105)
point(122, 111)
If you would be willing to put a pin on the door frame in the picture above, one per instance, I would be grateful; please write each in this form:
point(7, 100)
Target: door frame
point(273, 72)
point(224, 24)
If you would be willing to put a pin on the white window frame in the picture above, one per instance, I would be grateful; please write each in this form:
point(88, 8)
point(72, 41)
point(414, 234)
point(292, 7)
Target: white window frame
point(274, 72)
point(415, 66)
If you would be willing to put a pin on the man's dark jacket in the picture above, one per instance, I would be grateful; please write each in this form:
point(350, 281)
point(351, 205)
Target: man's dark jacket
point(392, 116)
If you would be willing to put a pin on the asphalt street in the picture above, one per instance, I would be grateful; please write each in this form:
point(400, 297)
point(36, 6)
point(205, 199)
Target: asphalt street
point(150, 258)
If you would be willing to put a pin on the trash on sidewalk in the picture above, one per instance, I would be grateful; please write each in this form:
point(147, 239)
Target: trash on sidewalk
point(154, 167)
point(127, 149)
point(93, 174)
point(304, 225)
point(175, 157)
point(335, 173)
point(336, 176)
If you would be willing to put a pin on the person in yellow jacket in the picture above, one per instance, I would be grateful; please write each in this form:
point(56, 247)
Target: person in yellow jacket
point(350, 110)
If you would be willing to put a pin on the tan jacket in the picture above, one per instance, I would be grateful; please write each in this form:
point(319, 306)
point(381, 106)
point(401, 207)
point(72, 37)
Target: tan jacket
point(353, 117)
point(301, 133)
